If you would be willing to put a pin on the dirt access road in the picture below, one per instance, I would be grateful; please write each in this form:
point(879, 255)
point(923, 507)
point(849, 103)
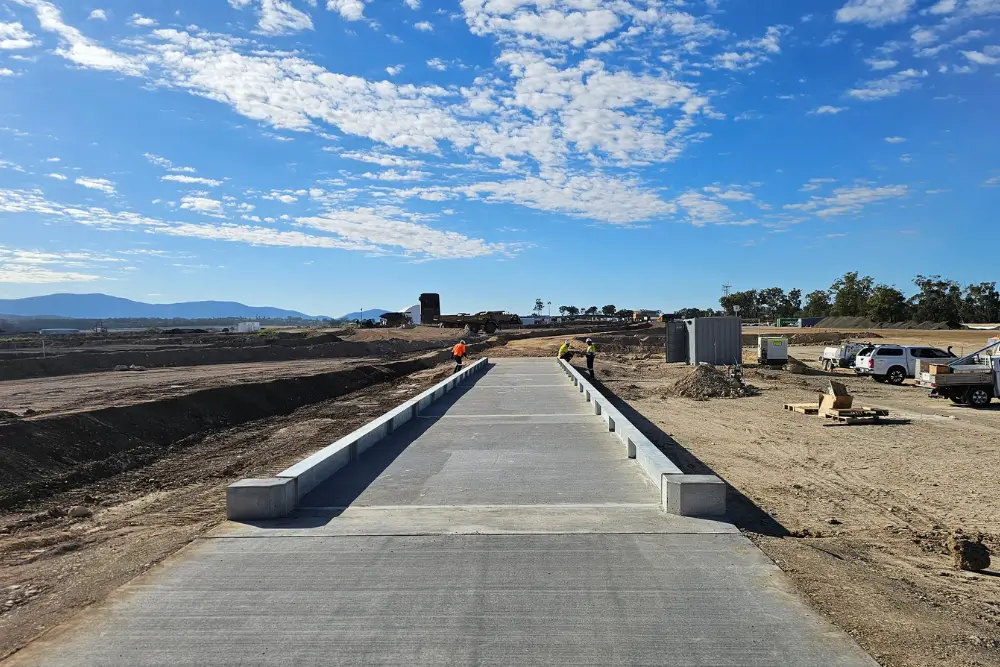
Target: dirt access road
point(856, 515)
point(51, 566)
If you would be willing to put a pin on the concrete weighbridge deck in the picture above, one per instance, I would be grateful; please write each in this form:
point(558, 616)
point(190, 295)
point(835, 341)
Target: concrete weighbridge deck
point(503, 526)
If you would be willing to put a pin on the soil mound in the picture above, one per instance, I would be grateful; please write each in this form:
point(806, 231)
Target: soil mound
point(865, 323)
point(704, 382)
point(797, 367)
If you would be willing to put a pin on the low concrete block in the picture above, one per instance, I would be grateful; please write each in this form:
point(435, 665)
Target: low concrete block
point(693, 495)
point(258, 499)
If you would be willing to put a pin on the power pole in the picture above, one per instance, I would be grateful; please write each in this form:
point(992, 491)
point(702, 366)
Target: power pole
point(726, 289)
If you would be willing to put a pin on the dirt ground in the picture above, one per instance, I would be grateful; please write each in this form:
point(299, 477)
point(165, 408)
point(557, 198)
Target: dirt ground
point(858, 516)
point(90, 391)
point(52, 565)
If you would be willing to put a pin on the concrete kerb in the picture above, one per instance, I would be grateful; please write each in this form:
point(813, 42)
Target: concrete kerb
point(272, 498)
point(686, 495)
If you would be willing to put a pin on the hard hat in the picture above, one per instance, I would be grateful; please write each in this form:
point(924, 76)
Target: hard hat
point(589, 340)
point(462, 341)
point(566, 341)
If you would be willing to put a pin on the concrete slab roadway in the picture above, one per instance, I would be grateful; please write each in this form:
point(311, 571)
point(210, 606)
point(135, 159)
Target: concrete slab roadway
point(508, 528)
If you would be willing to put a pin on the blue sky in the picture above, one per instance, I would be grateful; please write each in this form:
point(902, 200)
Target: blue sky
point(329, 155)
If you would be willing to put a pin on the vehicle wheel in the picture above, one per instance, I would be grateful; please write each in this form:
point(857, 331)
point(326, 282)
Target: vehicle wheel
point(878, 378)
point(896, 375)
point(978, 397)
point(491, 327)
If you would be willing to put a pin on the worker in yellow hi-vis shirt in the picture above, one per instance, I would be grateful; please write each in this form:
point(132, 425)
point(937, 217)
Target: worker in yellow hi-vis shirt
point(565, 352)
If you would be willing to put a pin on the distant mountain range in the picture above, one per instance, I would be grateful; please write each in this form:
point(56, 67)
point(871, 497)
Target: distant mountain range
point(102, 306)
point(372, 314)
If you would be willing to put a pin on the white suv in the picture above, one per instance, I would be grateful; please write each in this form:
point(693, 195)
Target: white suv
point(895, 363)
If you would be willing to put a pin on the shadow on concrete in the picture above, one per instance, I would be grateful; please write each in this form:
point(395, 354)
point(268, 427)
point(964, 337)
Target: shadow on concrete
point(742, 511)
point(348, 483)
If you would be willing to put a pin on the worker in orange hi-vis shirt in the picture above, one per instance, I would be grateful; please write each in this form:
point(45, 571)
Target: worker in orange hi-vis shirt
point(458, 353)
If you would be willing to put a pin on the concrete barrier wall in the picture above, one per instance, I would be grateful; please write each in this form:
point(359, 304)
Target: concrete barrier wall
point(690, 495)
point(250, 500)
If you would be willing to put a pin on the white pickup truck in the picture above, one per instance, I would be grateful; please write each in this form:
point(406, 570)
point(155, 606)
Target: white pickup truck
point(895, 363)
point(972, 380)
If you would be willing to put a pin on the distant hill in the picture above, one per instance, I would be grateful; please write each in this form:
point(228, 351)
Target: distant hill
point(102, 306)
point(372, 314)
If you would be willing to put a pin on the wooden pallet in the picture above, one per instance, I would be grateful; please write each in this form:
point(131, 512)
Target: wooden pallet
point(862, 415)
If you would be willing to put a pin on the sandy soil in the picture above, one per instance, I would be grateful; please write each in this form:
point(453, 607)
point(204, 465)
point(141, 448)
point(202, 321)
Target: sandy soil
point(51, 566)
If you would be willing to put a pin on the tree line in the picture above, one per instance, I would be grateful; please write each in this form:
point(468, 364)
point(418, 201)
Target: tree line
point(572, 311)
point(936, 299)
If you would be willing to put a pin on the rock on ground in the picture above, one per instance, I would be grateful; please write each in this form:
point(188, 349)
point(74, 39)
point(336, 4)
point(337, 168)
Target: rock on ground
point(969, 555)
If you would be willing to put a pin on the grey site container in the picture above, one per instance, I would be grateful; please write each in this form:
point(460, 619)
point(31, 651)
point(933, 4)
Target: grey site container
point(715, 340)
point(676, 341)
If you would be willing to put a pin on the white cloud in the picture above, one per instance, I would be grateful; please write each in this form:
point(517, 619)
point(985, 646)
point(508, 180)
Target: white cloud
point(102, 184)
point(20, 201)
point(7, 164)
point(98, 15)
point(33, 266)
point(424, 26)
point(53, 159)
point(394, 69)
point(990, 57)
point(177, 178)
point(895, 140)
point(754, 53)
point(827, 110)
point(875, 12)
point(381, 159)
point(943, 7)
point(849, 200)
point(391, 228)
point(556, 21)
point(393, 175)
point(892, 85)
point(350, 10)
point(58, 177)
point(412, 4)
point(284, 196)
point(923, 36)
point(202, 205)
point(160, 161)
point(78, 49)
point(879, 64)
point(13, 36)
point(438, 64)
point(608, 199)
point(6, 72)
point(278, 17)
point(141, 21)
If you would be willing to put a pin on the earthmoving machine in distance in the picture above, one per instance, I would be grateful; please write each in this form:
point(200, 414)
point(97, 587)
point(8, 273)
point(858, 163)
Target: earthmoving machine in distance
point(489, 321)
point(972, 380)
